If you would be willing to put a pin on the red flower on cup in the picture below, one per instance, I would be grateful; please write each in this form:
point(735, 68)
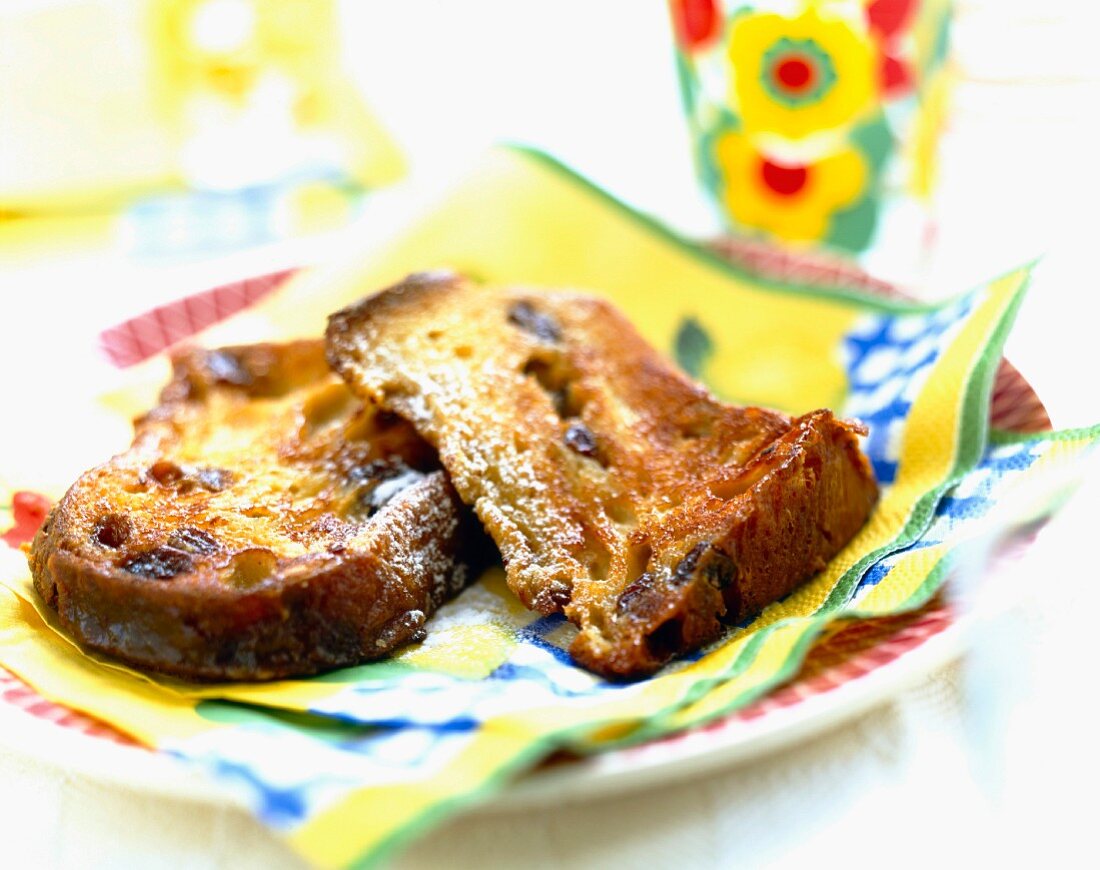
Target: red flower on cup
point(697, 22)
point(888, 20)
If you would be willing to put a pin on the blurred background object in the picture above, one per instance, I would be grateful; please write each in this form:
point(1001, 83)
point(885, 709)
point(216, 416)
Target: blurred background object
point(187, 127)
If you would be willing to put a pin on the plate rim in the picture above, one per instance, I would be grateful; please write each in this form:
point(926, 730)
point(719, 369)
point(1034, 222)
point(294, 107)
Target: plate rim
point(705, 749)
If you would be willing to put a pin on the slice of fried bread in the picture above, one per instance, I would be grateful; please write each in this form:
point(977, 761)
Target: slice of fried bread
point(618, 490)
point(265, 523)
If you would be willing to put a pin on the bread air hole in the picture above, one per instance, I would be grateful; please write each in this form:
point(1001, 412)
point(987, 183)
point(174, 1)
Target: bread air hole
point(595, 556)
point(251, 566)
point(621, 511)
point(325, 406)
point(361, 427)
point(638, 557)
point(696, 429)
point(552, 374)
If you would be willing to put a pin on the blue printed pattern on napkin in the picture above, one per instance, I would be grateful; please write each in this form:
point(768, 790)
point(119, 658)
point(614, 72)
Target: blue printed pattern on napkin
point(961, 512)
point(888, 358)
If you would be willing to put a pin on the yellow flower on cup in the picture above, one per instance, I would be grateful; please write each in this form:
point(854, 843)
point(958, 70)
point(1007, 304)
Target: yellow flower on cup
point(792, 201)
point(796, 76)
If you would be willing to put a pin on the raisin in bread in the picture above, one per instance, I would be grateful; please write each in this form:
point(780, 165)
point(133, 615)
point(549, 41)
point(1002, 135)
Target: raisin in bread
point(264, 523)
point(618, 490)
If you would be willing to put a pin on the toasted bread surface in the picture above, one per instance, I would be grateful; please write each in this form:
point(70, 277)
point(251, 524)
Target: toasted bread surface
point(264, 523)
point(618, 490)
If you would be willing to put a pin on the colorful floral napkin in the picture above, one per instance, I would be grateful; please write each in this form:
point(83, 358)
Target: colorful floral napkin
point(348, 765)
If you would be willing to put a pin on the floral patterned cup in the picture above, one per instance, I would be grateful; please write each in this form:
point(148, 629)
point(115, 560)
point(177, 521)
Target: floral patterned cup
point(816, 122)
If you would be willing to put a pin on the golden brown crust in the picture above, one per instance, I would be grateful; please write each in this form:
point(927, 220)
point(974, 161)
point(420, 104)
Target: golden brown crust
point(617, 490)
point(264, 523)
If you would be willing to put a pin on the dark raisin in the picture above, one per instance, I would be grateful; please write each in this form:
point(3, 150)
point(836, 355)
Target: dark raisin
point(643, 584)
point(735, 610)
point(112, 530)
point(713, 567)
point(666, 640)
point(554, 598)
point(685, 569)
point(165, 473)
point(226, 367)
point(524, 315)
point(160, 563)
point(214, 479)
point(580, 439)
point(768, 451)
point(720, 570)
point(226, 651)
point(193, 541)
